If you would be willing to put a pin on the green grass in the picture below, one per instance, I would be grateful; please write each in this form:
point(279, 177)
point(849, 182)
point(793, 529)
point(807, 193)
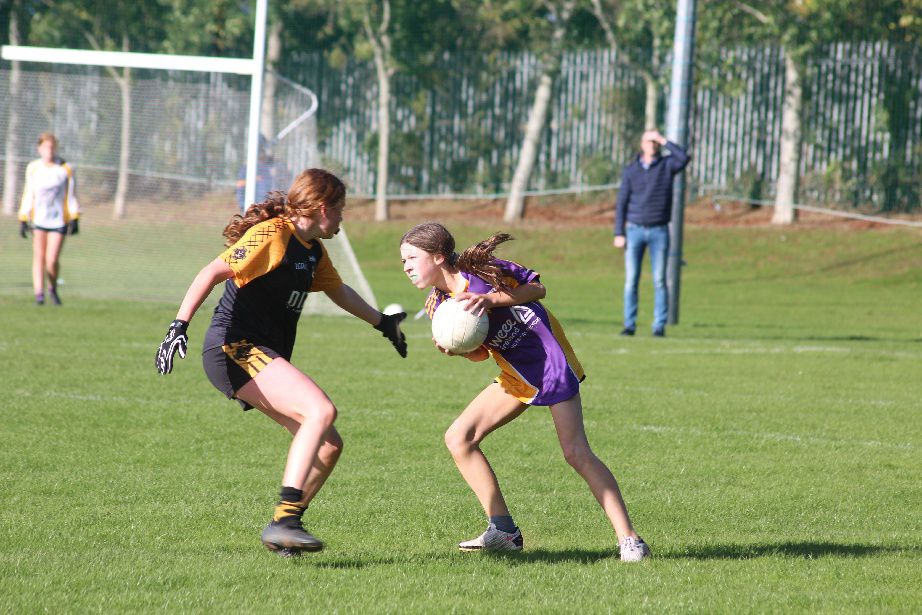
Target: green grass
point(768, 449)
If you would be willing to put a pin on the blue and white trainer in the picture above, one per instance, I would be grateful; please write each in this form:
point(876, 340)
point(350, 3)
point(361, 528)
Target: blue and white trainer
point(494, 540)
point(633, 549)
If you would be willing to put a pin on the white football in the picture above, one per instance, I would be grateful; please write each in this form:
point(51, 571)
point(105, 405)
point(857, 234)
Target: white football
point(458, 330)
point(393, 308)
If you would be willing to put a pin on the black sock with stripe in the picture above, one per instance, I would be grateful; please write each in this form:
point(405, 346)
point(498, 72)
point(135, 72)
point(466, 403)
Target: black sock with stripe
point(289, 508)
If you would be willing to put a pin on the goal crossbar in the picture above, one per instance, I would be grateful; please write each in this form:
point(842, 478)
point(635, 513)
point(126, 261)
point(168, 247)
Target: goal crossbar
point(127, 59)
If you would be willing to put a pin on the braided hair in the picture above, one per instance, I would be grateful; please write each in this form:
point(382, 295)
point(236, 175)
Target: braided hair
point(478, 259)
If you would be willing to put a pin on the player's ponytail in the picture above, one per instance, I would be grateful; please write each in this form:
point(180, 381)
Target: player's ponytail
point(310, 190)
point(274, 206)
point(478, 259)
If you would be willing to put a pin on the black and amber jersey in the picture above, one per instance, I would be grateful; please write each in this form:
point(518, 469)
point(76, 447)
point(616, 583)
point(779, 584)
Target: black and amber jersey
point(274, 270)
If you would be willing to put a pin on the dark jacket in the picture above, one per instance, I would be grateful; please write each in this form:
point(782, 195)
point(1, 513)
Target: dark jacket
point(645, 196)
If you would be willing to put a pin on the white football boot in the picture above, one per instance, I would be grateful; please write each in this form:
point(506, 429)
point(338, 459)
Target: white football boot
point(633, 549)
point(494, 540)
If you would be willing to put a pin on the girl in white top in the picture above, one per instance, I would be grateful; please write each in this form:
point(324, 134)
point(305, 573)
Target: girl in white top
point(50, 208)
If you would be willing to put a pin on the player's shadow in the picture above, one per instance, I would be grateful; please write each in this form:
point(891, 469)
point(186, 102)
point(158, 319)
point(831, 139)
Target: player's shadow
point(805, 550)
point(348, 563)
point(544, 556)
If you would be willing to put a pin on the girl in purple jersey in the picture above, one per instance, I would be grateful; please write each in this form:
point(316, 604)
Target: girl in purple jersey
point(538, 367)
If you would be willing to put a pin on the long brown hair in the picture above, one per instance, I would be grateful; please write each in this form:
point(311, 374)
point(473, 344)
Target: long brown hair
point(309, 191)
point(477, 259)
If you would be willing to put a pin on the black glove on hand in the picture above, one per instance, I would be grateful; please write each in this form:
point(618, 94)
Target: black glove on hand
point(175, 340)
point(390, 328)
point(74, 227)
point(24, 229)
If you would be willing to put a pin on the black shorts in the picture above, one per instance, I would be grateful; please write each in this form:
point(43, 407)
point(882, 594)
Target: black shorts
point(231, 366)
point(58, 229)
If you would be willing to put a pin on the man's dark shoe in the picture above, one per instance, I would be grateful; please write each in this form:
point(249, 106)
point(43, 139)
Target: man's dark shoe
point(289, 537)
point(659, 333)
point(626, 332)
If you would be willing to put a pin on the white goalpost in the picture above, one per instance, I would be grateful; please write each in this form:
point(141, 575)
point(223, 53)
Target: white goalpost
point(174, 125)
point(120, 59)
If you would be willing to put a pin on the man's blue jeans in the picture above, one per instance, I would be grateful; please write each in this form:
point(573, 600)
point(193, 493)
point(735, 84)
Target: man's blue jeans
point(639, 238)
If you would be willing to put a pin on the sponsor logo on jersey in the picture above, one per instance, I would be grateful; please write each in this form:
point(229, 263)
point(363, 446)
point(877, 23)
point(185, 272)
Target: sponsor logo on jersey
point(511, 331)
point(301, 266)
point(522, 313)
point(239, 253)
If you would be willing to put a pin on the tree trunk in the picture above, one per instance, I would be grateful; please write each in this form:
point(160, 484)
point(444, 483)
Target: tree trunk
point(10, 171)
point(384, 129)
point(124, 156)
point(270, 83)
point(381, 45)
point(515, 205)
point(791, 134)
point(651, 101)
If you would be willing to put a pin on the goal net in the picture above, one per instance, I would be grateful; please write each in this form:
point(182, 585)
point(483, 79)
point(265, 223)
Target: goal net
point(159, 157)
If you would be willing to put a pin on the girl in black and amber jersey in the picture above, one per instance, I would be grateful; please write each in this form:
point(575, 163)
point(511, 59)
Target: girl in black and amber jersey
point(273, 260)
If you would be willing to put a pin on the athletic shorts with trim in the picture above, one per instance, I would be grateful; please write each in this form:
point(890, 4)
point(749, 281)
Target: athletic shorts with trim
point(58, 229)
point(232, 365)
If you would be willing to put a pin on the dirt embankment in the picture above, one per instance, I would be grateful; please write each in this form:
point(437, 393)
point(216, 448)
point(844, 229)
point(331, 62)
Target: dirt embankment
point(569, 211)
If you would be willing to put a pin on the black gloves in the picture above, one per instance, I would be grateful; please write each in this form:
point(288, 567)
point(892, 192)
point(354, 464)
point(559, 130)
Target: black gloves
point(74, 227)
point(390, 328)
point(24, 229)
point(175, 340)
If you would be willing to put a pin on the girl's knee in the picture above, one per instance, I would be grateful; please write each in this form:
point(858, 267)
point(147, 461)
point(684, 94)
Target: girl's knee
point(579, 456)
point(323, 414)
point(459, 439)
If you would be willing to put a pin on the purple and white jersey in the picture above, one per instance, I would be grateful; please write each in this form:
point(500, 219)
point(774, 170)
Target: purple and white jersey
point(538, 365)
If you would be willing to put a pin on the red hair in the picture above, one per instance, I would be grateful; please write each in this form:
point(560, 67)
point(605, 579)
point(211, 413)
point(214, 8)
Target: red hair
point(310, 190)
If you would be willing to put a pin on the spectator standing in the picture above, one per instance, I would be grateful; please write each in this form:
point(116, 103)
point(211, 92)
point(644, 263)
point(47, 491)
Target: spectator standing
point(642, 215)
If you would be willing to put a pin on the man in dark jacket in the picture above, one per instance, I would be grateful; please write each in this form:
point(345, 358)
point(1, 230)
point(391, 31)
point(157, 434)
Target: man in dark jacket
point(642, 214)
point(270, 175)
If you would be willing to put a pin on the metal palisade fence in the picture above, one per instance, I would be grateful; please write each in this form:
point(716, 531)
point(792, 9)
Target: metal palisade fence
point(457, 128)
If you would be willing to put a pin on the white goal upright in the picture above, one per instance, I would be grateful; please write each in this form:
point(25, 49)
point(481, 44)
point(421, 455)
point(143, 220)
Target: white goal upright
point(160, 145)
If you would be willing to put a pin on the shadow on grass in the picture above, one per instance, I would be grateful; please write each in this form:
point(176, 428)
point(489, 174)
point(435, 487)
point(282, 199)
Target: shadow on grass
point(349, 563)
point(805, 550)
point(544, 556)
point(515, 558)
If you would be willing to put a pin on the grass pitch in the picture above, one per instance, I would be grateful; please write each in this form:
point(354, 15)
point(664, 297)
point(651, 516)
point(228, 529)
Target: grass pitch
point(768, 448)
